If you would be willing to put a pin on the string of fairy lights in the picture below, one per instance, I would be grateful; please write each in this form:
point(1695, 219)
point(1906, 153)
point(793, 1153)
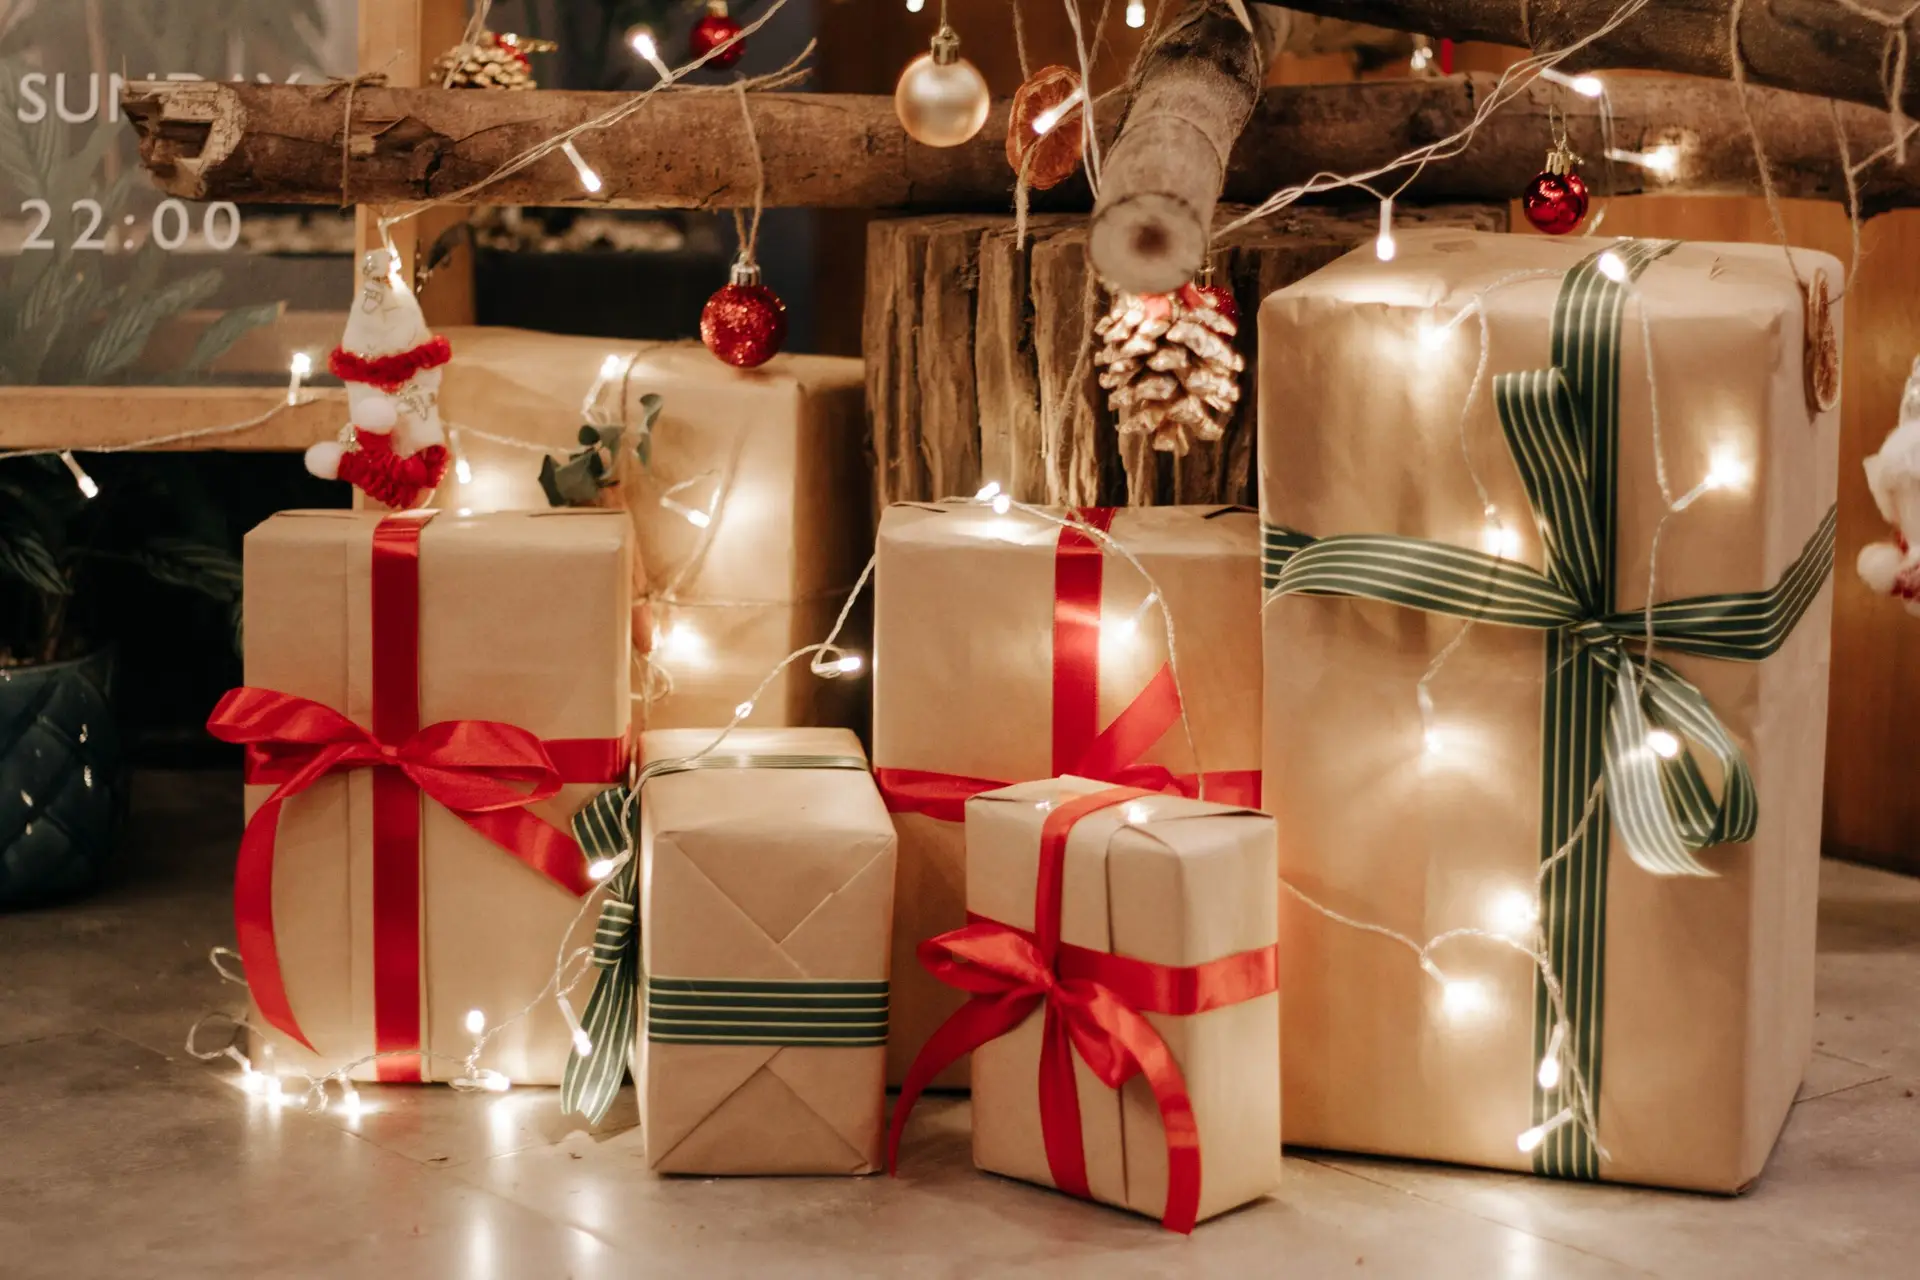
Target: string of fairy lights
point(1515, 914)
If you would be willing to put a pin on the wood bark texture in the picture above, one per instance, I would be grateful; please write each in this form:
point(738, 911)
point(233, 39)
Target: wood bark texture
point(281, 144)
point(978, 356)
point(1191, 94)
point(1810, 46)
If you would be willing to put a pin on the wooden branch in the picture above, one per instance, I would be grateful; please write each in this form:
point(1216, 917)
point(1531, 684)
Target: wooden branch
point(281, 144)
point(113, 417)
point(1809, 46)
point(1192, 93)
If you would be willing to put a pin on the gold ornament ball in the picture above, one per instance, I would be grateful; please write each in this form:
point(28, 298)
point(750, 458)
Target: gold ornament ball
point(941, 102)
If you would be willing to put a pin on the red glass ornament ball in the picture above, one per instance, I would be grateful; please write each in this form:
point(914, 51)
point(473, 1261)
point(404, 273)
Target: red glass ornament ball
point(744, 324)
point(1213, 297)
point(712, 31)
point(1555, 202)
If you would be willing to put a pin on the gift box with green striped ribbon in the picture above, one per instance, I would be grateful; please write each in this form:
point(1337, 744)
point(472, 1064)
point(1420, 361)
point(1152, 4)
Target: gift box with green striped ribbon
point(1476, 725)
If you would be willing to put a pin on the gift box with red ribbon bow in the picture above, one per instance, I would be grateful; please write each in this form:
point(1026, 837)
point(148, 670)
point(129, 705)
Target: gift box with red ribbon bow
point(1121, 1008)
point(1008, 648)
point(429, 698)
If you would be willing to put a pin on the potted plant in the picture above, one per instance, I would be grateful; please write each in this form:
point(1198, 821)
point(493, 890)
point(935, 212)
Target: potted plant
point(65, 558)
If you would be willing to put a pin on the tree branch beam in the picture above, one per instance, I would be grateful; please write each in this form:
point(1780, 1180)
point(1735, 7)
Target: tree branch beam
point(281, 144)
point(1807, 46)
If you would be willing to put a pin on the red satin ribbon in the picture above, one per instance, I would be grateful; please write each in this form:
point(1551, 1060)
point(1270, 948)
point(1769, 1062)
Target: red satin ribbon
point(483, 771)
point(1080, 746)
point(1094, 1004)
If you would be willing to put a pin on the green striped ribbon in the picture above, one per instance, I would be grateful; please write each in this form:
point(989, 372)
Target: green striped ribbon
point(592, 1082)
point(1603, 693)
point(794, 1012)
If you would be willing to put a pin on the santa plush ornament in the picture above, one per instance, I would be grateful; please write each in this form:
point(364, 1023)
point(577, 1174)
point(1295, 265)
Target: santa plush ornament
point(1893, 474)
point(393, 449)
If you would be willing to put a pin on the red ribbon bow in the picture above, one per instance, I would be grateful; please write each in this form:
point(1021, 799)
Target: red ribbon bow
point(477, 769)
point(1080, 747)
point(1094, 1003)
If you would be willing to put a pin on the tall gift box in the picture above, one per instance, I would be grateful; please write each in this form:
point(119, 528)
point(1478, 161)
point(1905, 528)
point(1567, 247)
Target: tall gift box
point(429, 699)
point(1123, 1021)
point(1461, 702)
point(767, 890)
point(752, 513)
point(1008, 648)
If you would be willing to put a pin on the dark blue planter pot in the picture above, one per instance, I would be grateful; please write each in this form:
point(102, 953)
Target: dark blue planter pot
point(62, 792)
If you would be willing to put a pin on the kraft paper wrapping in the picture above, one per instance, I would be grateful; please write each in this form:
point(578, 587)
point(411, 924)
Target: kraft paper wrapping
point(963, 680)
point(1706, 984)
point(771, 875)
point(1182, 883)
point(523, 619)
point(785, 443)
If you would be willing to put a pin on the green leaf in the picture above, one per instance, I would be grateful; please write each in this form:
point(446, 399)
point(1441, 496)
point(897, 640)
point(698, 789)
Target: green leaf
point(218, 338)
point(650, 406)
point(127, 330)
point(211, 571)
point(24, 555)
point(574, 483)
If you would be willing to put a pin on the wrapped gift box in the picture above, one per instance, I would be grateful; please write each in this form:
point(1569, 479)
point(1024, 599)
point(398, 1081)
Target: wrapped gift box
point(775, 457)
point(768, 891)
point(1689, 998)
point(1008, 650)
point(361, 631)
point(1155, 916)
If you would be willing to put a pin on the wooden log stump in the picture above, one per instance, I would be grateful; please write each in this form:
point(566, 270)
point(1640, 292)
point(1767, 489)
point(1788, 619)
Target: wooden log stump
point(979, 356)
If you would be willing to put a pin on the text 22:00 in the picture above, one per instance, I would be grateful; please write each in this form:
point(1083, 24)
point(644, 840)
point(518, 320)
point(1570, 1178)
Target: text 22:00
point(172, 225)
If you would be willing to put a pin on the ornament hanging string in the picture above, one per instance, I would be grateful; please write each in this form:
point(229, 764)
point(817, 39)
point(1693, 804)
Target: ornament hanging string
point(748, 233)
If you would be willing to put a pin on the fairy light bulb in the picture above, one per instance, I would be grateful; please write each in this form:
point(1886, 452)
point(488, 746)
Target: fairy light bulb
point(742, 711)
point(649, 50)
point(1432, 336)
point(588, 178)
point(476, 1022)
point(1499, 540)
point(598, 869)
point(1612, 266)
point(1663, 744)
point(1002, 503)
point(1135, 813)
point(349, 1102)
point(276, 1092)
point(493, 1082)
point(1462, 998)
point(252, 1081)
point(1549, 1073)
point(1384, 246)
point(1725, 471)
point(849, 664)
point(582, 1042)
point(1533, 1137)
point(299, 369)
point(915, 6)
point(1587, 86)
point(1514, 912)
point(1663, 160)
point(988, 492)
point(1136, 14)
point(85, 483)
point(462, 469)
point(1044, 122)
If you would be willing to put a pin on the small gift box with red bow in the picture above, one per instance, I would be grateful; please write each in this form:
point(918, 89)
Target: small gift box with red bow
point(1011, 645)
point(1122, 1011)
point(429, 698)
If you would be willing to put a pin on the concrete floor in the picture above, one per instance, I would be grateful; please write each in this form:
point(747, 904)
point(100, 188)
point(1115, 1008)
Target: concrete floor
point(120, 1156)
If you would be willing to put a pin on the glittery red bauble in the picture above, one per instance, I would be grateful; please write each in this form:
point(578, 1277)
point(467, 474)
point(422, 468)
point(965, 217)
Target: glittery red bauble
point(1213, 297)
point(1555, 202)
point(710, 33)
point(744, 324)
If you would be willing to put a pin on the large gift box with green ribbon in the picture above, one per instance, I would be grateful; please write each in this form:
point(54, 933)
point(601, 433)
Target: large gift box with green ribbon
point(754, 970)
point(1547, 530)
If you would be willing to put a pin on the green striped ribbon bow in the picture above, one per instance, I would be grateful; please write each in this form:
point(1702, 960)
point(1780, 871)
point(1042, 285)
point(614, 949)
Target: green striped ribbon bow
point(840, 1013)
point(1604, 694)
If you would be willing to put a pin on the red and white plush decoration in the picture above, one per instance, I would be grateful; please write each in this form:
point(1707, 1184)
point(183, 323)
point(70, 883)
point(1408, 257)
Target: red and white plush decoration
point(391, 362)
point(1893, 474)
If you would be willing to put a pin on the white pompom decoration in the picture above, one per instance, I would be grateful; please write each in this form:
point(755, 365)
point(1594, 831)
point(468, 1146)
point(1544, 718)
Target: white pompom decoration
point(323, 459)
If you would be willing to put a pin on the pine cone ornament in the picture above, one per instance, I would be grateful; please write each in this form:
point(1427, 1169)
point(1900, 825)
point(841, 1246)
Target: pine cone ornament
point(491, 62)
point(1168, 361)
